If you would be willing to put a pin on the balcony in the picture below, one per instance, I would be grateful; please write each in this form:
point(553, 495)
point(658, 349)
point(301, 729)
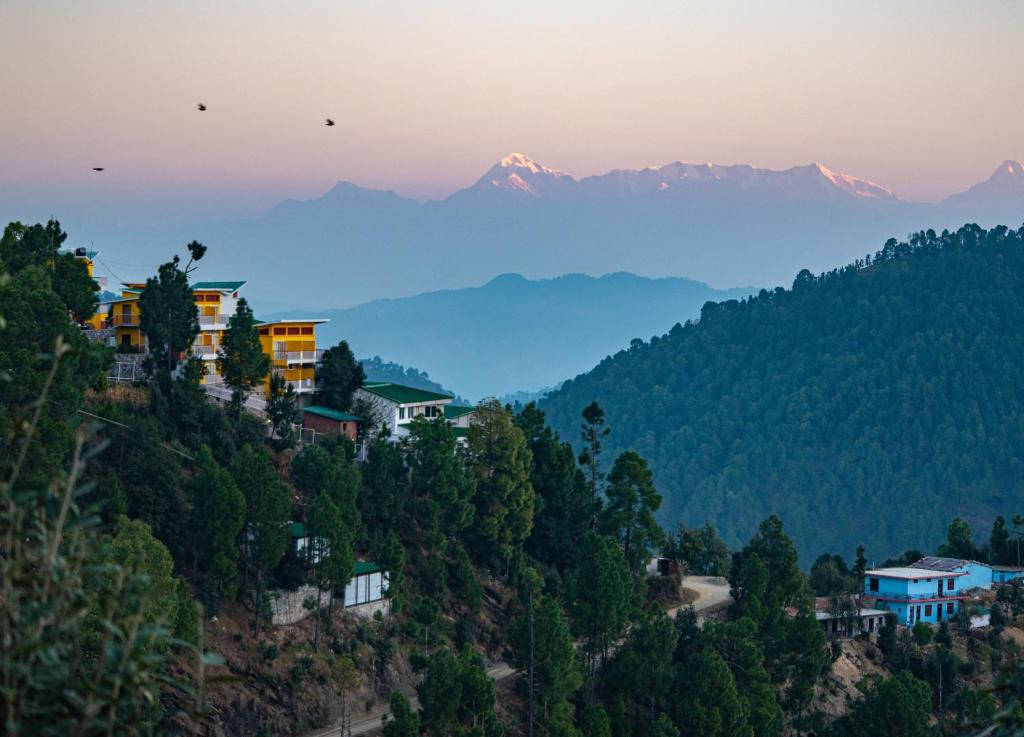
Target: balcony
point(303, 386)
point(213, 322)
point(124, 321)
point(930, 596)
point(207, 352)
point(312, 356)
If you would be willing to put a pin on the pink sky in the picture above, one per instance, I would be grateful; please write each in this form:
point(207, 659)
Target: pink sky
point(924, 98)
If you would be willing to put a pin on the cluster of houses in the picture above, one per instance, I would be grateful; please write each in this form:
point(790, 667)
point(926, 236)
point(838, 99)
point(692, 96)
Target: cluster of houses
point(292, 349)
point(930, 590)
point(294, 355)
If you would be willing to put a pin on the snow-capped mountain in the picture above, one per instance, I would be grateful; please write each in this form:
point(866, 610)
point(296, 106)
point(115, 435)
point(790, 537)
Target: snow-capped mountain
point(519, 174)
point(812, 180)
point(724, 225)
point(1004, 188)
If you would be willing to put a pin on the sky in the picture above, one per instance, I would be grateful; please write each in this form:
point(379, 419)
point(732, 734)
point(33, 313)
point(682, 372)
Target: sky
point(923, 97)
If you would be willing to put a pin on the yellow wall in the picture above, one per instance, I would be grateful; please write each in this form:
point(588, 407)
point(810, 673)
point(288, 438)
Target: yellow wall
point(275, 337)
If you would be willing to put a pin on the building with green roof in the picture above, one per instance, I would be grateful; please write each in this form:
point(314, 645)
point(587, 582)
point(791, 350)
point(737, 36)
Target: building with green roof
point(394, 405)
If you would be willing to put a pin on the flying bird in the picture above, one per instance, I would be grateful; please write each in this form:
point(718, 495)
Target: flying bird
point(201, 107)
point(97, 168)
point(329, 123)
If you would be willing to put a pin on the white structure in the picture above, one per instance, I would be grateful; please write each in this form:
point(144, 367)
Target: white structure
point(369, 585)
point(394, 406)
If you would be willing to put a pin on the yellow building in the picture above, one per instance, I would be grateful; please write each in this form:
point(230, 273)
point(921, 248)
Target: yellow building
point(124, 317)
point(291, 346)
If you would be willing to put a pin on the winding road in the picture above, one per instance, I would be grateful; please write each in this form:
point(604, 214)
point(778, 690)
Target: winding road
point(712, 593)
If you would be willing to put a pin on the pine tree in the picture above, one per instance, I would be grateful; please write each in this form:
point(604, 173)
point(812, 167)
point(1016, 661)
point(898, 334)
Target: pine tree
point(340, 375)
point(218, 516)
point(242, 362)
point(267, 506)
point(500, 461)
point(282, 409)
point(592, 432)
point(629, 513)
point(599, 593)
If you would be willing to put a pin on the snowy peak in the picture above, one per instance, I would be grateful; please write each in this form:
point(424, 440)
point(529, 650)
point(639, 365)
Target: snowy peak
point(1005, 188)
point(676, 178)
point(862, 188)
point(1008, 173)
point(519, 173)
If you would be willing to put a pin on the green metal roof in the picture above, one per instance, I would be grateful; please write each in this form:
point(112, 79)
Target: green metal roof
point(297, 529)
point(363, 567)
point(222, 286)
point(404, 394)
point(331, 414)
point(454, 411)
point(460, 432)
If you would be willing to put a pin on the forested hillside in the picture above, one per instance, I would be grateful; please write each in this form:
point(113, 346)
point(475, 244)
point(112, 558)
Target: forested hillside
point(868, 404)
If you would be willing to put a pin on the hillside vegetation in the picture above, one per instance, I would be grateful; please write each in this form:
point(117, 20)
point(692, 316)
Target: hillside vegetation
point(868, 404)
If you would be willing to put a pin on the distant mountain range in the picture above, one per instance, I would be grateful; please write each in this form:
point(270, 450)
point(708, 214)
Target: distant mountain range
point(513, 333)
point(724, 225)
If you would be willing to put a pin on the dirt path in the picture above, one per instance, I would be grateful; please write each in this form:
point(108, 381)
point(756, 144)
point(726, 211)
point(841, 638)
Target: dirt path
point(712, 593)
point(372, 723)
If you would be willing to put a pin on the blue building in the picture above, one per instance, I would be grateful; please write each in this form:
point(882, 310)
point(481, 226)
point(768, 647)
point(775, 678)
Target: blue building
point(976, 575)
point(1006, 574)
point(915, 594)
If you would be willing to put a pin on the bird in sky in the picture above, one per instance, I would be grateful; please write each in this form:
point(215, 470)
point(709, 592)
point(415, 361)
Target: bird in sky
point(201, 107)
point(329, 123)
point(97, 168)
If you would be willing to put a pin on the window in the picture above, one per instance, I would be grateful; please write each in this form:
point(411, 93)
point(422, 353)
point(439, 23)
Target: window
point(873, 584)
point(307, 331)
point(401, 413)
point(949, 584)
point(949, 608)
point(927, 610)
point(279, 331)
point(293, 331)
point(264, 331)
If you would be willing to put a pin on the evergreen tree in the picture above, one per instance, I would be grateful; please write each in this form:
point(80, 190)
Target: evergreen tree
point(709, 704)
point(169, 316)
point(282, 409)
point(563, 507)
point(546, 644)
point(701, 550)
point(593, 432)
point(958, 541)
point(500, 462)
point(331, 547)
point(404, 722)
point(599, 593)
point(999, 543)
point(629, 513)
point(899, 706)
point(267, 507)
point(340, 375)
point(242, 362)
point(439, 481)
point(218, 516)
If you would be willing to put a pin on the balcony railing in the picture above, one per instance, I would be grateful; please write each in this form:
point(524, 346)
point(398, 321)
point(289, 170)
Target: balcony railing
point(303, 386)
point(899, 596)
point(124, 320)
point(210, 320)
point(312, 356)
point(205, 351)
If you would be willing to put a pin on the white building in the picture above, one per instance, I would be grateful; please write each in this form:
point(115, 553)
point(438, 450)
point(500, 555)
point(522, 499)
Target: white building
point(394, 406)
